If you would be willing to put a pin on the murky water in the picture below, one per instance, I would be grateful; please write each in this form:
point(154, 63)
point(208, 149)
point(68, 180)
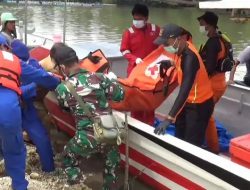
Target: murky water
point(92, 28)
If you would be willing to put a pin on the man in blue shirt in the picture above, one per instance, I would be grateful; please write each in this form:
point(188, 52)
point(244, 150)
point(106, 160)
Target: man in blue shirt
point(31, 122)
point(11, 139)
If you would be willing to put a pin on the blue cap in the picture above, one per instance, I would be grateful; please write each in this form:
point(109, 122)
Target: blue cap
point(20, 50)
point(3, 40)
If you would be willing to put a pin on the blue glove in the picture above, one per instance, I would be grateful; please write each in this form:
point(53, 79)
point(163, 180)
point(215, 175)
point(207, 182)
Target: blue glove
point(28, 91)
point(161, 129)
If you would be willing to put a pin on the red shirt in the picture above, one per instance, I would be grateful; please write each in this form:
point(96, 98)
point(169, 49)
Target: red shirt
point(138, 43)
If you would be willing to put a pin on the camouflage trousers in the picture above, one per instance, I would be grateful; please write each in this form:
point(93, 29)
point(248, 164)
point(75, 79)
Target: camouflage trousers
point(83, 144)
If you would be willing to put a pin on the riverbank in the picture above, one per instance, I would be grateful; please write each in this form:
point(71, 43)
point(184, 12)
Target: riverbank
point(92, 168)
point(162, 3)
point(154, 3)
point(39, 180)
point(58, 3)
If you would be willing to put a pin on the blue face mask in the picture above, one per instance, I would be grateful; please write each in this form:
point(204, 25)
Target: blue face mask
point(172, 49)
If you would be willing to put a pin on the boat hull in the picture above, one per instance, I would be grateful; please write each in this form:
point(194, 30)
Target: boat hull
point(159, 160)
point(165, 162)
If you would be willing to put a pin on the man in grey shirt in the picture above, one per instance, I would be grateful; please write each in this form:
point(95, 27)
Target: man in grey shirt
point(244, 58)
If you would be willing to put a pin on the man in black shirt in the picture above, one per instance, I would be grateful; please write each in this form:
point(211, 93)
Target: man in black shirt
point(193, 105)
point(211, 53)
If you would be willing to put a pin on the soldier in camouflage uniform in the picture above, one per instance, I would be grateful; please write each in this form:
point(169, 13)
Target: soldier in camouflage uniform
point(95, 89)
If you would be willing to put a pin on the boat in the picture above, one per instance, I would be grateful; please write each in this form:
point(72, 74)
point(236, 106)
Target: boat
point(224, 4)
point(165, 162)
point(239, 13)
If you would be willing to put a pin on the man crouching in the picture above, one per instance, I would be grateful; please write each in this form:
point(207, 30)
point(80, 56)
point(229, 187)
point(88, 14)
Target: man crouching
point(94, 90)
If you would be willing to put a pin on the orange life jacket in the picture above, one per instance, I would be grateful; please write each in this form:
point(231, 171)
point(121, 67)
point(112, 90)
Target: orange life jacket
point(201, 89)
point(10, 71)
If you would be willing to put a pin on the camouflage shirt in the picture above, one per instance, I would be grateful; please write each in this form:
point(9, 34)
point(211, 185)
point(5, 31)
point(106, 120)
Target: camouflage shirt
point(95, 89)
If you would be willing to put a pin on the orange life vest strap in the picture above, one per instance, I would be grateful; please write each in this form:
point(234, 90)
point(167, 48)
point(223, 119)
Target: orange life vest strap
point(222, 52)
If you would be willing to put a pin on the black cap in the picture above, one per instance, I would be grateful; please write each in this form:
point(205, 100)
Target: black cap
point(65, 55)
point(210, 18)
point(168, 31)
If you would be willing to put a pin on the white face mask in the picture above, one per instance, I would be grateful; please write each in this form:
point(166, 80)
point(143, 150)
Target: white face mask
point(203, 30)
point(171, 48)
point(139, 23)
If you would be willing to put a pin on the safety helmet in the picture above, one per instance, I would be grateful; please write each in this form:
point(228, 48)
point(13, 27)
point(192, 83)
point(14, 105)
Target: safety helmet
point(7, 17)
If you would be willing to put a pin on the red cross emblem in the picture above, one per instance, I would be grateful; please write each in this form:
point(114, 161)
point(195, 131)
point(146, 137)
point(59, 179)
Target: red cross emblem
point(153, 69)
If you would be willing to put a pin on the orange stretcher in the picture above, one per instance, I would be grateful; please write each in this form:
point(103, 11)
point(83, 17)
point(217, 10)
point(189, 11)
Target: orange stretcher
point(145, 88)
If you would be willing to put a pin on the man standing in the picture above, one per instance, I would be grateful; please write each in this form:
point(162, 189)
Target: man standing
point(12, 144)
point(243, 58)
point(31, 122)
point(8, 22)
point(95, 89)
point(137, 43)
point(212, 53)
point(194, 104)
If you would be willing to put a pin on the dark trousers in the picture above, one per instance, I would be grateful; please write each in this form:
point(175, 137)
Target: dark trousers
point(192, 121)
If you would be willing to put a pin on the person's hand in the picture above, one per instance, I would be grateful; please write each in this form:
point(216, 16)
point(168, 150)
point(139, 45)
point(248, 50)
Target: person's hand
point(29, 91)
point(230, 82)
point(111, 76)
point(166, 63)
point(161, 129)
point(138, 61)
point(164, 66)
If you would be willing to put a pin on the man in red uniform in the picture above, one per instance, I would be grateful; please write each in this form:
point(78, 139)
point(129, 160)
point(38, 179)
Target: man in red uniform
point(137, 43)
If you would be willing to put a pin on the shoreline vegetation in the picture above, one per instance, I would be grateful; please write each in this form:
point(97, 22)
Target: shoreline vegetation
point(155, 3)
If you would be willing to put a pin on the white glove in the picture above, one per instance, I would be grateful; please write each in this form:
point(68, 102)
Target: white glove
point(138, 61)
point(50, 73)
point(111, 76)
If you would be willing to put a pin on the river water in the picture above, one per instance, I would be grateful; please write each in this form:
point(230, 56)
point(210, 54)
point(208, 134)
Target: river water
point(90, 28)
